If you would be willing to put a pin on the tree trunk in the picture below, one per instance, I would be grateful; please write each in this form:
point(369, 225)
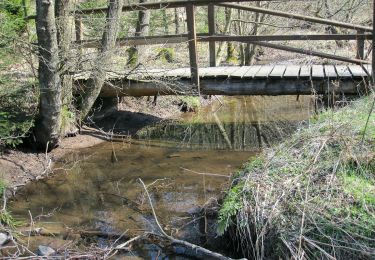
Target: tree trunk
point(49, 119)
point(226, 30)
point(165, 21)
point(230, 46)
point(250, 49)
point(141, 29)
point(177, 21)
point(108, 44)
point(65, 26)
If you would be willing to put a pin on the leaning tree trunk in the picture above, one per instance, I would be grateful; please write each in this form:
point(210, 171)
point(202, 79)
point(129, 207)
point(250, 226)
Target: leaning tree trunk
point(141, 29)
point(98, 74)
point(47, 129)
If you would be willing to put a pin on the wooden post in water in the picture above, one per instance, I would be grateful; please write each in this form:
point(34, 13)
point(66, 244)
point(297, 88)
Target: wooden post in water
point(211, 32)
point(192, 38)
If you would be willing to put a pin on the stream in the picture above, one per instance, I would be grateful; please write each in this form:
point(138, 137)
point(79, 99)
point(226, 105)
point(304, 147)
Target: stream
point(184, 163)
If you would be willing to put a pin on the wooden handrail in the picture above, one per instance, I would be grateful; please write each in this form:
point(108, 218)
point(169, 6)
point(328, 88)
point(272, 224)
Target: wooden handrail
point(205, 37)
point(164, 4)
point(298, 17)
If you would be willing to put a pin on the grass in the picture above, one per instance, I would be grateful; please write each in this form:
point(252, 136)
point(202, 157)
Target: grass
point(312, 196)
point(6, 219)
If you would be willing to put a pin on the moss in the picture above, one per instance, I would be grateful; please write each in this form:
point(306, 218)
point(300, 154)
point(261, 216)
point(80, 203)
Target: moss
point(167, 55)
point(189, 104)
point(67, 119)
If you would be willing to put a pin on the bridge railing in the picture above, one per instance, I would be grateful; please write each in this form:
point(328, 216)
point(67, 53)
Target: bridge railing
point(360, 34)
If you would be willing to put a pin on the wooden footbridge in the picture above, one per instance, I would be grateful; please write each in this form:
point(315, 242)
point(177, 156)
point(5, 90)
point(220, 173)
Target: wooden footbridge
point(245, 80)
point(350, 78)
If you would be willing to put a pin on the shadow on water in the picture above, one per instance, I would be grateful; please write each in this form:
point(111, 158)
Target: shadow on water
point(98, 188)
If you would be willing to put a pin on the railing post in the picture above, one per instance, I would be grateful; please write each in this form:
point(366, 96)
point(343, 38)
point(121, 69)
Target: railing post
point(192, 38)
point(79, 37)
point(211, 32)
point(360, 46)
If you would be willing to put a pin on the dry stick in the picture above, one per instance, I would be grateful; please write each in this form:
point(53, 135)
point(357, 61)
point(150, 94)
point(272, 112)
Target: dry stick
point(204, 173)
point(194, 247)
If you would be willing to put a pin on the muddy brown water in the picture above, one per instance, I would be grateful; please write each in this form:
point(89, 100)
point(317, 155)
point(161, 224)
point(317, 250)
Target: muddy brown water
point(97, 189)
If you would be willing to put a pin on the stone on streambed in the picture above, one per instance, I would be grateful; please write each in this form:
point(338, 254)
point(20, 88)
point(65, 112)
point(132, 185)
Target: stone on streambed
point(45, 251)
point(4, 238)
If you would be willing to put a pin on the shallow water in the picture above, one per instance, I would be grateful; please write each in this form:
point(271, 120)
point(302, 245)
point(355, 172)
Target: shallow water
point(98, 188)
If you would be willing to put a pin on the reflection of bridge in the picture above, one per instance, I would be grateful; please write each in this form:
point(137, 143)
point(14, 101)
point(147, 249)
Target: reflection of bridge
point(272, 80)
point(245, 80)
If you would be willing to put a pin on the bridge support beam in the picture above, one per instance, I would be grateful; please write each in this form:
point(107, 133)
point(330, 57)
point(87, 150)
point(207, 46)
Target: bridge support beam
point(192, 38)
point(229, 87)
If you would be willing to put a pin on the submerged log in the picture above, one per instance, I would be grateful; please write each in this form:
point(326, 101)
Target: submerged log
point(228, 86)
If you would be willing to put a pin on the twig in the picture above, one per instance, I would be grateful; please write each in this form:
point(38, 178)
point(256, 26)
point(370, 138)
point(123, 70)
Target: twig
point(205, 173)
point(197, 249)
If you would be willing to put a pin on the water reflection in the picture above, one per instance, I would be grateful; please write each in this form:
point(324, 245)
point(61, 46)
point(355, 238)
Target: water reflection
point(95, 192)
point(237, 123)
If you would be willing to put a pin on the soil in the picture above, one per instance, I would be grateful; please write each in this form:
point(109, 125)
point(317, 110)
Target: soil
point(20, 166)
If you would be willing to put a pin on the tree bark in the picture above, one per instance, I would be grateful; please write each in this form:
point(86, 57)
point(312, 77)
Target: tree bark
point(230, 45)
point(65, 29)
point(98, 74)
point(47, 130)
point(141, 29)
point(250, 49)
point(177, 21)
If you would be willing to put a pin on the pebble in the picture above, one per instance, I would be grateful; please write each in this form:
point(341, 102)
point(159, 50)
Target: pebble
point(45, 251)
point(4, 238)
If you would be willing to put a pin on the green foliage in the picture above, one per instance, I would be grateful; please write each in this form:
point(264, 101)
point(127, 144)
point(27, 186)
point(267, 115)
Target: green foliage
point(230, 207)
point(11, 21)
point(18, 107)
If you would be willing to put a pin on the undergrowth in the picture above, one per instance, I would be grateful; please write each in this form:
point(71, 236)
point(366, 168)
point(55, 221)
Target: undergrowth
point(18, 108)
point(311, 197)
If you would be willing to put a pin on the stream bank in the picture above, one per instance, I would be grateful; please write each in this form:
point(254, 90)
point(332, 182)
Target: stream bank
point(311, 196)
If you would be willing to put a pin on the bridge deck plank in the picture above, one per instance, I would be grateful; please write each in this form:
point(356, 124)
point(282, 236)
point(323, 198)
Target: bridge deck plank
point(178, 73)
point(343, 71)
point(210, 72)
point(278, 72)
point(264, 72)
point(225, 72)
point(252, 71)
point(305, 72)
point(330, 71)
point(357, 71)
point(317, 72)
point(368, 69)
point(292, 71)
point(240, 72)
